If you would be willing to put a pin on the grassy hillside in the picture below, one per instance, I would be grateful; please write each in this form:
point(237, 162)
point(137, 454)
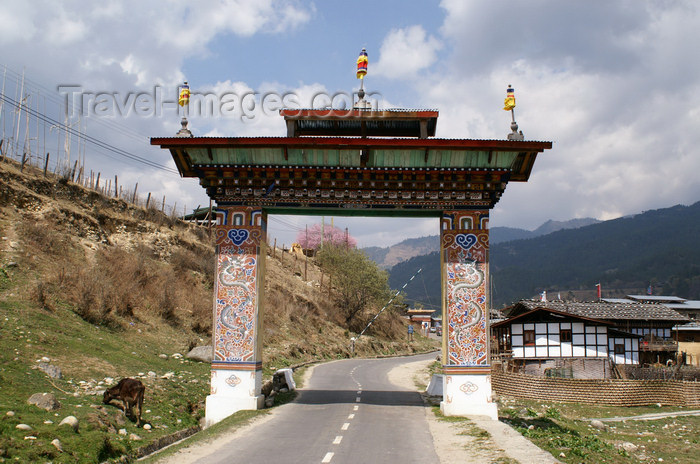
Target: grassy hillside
point(105, 290)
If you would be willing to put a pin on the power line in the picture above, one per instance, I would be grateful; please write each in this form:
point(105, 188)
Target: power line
point(389, 302)
point(87, 138)
point(50, 94)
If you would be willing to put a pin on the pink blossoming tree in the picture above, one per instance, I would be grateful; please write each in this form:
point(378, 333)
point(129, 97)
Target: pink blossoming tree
point(331, 235)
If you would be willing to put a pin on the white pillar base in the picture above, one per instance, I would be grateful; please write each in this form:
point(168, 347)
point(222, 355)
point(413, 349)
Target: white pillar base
point(468, 395)
point(232, 391)
point(219, 407)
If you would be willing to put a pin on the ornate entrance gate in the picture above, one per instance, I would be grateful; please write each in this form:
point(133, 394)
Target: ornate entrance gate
point(357, 162)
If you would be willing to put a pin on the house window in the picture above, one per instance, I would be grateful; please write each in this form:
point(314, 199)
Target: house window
point(529, 337)
point(565, 335)
point(619, 348)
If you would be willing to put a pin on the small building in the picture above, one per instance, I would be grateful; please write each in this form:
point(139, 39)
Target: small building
point(544, 341)
point(570, 335)
point(421, 317)
point(688, 336)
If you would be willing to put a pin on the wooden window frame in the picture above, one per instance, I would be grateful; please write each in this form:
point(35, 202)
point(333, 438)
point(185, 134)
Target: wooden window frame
point(565, 336)
point(529, 337)
point(617, 347)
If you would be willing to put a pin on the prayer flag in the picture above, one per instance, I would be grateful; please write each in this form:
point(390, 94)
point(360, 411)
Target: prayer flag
point(184, 98)
point(509, 102)
point(362, 64)
point(543, 296)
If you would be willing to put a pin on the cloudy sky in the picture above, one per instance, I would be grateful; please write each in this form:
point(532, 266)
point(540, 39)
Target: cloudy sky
point(613, 84)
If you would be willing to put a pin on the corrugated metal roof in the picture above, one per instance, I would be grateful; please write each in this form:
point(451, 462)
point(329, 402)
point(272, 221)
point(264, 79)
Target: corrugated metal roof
point(656, 298)
point(686, 305)
point(617, 300)
point(689, 327)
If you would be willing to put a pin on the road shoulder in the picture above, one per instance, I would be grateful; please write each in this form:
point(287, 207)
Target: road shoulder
point(471, 440)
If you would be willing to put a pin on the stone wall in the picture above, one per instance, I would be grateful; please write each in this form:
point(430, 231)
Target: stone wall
point(577, 368)
point(595, 391)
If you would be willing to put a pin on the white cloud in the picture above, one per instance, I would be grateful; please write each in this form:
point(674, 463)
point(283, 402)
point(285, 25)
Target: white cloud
point(614, 89)
point(405, 52)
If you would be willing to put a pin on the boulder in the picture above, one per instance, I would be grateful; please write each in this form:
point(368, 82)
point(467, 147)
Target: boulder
point(629, 447)
point(44, 401)
point(267, 388)
point(435, 385)
point(598, 424)
point(201, 353)
point(52, 371)
point(70, 420)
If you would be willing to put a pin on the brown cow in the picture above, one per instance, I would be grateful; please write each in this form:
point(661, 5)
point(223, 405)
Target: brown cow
point(130, 392)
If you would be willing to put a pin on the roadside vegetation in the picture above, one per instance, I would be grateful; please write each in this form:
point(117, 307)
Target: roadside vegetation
point(103, 290)
point(566, 430)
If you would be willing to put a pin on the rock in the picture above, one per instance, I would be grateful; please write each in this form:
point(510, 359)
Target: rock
point(201, 353)
point(44, 401)
point(562, 455)
point(269, 402)
point(531, 427)
point(10, 413)
point(23, 427)
point(70, 420)
point(167, 375)
point(109, 380)
point(57, 443)
point(595, 423)
point(147, 426)
point(48, 422)
point(152, 374)
point(177, 355)
point(133, 436)
point(122, 432)
point(45, 359)
point(50, 370)
point(267, 388)
point(163, 356)
point(629, 447)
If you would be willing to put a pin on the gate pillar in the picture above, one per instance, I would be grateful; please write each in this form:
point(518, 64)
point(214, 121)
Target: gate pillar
point(464, 255)
point(236, 369)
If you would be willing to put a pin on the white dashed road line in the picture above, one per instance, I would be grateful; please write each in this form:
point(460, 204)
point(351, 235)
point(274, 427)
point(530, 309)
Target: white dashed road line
point(327, 458)
point(338, 439)
point(345, 426)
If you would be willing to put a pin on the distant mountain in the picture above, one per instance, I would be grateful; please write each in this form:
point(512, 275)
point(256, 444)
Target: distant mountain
point(658, 247)
point(554, 226)
point(387, 257)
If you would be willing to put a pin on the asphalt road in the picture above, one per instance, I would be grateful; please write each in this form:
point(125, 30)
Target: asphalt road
point(348, 413)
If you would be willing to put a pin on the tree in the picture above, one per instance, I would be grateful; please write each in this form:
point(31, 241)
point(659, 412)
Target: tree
point(311, 240)
point(357, 280)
